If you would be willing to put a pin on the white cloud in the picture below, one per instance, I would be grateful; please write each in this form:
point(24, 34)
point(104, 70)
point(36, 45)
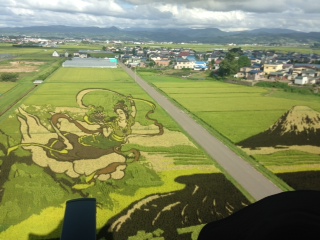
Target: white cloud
point(223, 14)
point(270, 6)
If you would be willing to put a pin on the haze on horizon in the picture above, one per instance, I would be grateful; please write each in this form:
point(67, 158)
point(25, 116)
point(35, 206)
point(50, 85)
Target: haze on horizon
point(227, 15)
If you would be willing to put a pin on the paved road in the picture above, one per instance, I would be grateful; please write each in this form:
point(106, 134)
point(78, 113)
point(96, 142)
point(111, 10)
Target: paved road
point(249, 178)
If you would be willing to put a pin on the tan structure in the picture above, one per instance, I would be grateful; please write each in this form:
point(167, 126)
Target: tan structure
point(274, 67)
point(184, 64)
point(163, 63)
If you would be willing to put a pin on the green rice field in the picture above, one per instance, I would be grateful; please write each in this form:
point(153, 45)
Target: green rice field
point(235, 111)
point(4, 87)
point(240, 112)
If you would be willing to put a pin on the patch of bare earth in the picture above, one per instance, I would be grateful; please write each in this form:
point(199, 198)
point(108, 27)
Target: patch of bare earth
point(21, 66)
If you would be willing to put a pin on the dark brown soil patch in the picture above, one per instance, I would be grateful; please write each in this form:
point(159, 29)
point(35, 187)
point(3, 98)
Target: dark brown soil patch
point(206, 198)
point(302, 180)
point(299, 126)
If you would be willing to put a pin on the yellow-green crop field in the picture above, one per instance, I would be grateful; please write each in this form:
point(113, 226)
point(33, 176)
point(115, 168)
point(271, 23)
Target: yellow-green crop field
point(240, 112)
point(6, 86)
point(54, 146)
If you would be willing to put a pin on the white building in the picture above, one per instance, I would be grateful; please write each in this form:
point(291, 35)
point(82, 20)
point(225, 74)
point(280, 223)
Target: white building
point(55, 54)
point(184, 63)
point(301, 80)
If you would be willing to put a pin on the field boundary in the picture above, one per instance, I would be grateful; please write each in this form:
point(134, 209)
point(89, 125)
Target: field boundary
point(18, 100)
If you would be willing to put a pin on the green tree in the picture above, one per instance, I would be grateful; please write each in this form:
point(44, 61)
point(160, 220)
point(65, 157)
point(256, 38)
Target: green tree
point(9, 77)
point(238, 51)
point(244, 61)
point(229, 66)
point(151, 63)
point(232, 63)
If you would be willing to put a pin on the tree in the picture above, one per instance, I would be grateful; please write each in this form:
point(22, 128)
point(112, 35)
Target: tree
point(244, 61)
point(238, 51)
point(151, 63)
point(232, 63)
point(229, 66)
point(9, 77)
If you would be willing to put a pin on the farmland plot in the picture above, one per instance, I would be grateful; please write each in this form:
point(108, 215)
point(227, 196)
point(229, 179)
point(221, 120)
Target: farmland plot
point(6, 86)
point(279, 130)
point(95, 133)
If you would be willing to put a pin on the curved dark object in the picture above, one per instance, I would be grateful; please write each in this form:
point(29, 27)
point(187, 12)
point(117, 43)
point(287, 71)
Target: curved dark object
point(79, 220)
point(287, 215)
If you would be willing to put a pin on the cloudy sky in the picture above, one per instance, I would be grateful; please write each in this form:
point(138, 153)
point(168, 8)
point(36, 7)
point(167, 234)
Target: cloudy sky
point(227, 15)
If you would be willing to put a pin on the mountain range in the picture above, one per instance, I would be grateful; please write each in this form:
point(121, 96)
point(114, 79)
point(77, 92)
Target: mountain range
point(175, 35)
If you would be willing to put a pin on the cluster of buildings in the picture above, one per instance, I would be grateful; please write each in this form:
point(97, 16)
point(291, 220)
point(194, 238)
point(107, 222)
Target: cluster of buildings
point(299, 71)
point(293, 68)
point(162, 57)
point(300, 74)
point(296, 68)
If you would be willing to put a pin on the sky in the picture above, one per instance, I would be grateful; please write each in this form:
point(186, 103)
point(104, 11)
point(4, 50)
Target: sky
point(227, 15)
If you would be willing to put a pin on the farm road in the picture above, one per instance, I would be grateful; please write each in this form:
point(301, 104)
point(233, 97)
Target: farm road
point(257, 185)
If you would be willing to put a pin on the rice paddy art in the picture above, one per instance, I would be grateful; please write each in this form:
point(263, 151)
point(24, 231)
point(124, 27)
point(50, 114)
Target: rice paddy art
point(93, 150)
point(113, 147)
point(298, 128)
point(290, 148)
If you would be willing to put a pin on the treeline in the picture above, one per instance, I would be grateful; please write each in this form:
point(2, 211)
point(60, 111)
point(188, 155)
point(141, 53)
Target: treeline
point(285, 87)
point(9, 77)
point(27, 45)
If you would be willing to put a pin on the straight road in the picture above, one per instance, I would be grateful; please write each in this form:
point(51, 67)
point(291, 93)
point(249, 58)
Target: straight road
point(257, 185)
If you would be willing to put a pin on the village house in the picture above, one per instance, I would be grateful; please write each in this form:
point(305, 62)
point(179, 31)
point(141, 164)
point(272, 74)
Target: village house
point(255, 75)
point(217, 63)
point(272, 67)
point(55, 54)
point(250, 73)
point(255, 61)
point(288, 68)
point(200, 66)
point(80, 54)
point(163, 62)
point(312, 80)
point(133, 61)
point(155, 57)
point(305, 71)
point(301, 80)
point(278, 76)
point(184, 63)
point(243, 73)
point(309, 73)
point(143, 63)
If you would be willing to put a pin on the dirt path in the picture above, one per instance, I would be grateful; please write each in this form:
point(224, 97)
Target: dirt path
point(257, 185)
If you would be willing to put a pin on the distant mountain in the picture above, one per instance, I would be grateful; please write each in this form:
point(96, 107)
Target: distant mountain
point(178, 35)
point(272, 31)
point(299, 126)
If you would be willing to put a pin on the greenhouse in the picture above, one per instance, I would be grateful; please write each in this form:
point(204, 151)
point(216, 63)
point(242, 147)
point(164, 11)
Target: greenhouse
point(91, 63)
